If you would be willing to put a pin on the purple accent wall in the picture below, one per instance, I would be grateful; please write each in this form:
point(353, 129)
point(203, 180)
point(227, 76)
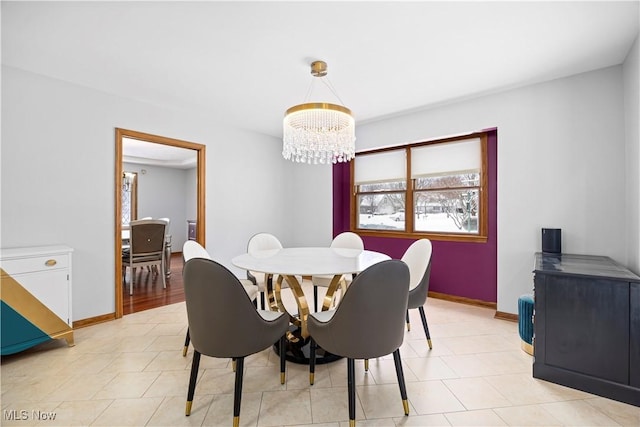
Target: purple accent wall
point(341, 194)
point(462, 269)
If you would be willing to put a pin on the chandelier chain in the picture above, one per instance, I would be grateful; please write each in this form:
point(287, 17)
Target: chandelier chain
point(311, 84)
point(328, 84)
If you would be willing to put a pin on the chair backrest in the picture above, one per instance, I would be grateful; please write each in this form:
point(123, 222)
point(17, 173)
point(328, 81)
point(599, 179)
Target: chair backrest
point(369, 321)
point(259, 242)
point(263, 241)
point(418, 258)
point(192, 249)
point(147, 237)
point(168, 221)
point(223, 322)
point(347, 240)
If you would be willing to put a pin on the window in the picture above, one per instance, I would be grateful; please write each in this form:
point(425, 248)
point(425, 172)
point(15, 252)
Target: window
point(435, 189)
point(129, 197)
point(381, 180)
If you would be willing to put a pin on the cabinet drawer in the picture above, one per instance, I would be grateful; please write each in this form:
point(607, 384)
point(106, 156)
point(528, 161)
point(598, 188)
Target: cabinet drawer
point(32, 264)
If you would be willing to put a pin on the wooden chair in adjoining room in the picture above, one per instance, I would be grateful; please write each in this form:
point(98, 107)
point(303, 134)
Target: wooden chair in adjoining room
point(146, 249)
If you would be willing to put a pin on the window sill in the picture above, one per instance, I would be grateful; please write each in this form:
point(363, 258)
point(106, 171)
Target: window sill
point(450, 237)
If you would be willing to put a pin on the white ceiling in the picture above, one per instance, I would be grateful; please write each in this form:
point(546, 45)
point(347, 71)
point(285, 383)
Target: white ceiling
point(147, 153)
point(244, 63)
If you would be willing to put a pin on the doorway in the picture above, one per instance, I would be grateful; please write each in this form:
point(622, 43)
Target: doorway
point(121, 135)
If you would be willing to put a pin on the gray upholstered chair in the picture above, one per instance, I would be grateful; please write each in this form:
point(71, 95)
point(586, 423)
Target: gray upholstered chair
point(223, 322)
point(260, 242)
point(368, 323)
point(346, 240)
point(146, 248)
point(192, 249)
point(418, 258)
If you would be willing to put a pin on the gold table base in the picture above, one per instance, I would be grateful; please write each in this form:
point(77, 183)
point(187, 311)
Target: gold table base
point(274, 294)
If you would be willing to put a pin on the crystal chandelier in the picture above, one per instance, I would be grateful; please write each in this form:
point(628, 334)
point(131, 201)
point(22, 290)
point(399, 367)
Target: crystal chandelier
point(319, 132)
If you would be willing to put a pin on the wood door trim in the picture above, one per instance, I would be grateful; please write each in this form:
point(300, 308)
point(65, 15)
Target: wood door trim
point(200, 196)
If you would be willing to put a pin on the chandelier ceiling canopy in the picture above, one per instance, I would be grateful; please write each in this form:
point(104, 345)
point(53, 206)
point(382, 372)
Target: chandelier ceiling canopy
point(319, 132)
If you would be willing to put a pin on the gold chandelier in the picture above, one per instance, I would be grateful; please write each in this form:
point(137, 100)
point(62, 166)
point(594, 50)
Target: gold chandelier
point(319, 132)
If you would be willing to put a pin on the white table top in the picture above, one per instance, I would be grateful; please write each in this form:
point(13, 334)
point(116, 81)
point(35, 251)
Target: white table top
point(309, 261)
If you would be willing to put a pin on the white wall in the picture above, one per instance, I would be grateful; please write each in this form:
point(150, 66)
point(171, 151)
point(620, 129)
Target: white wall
point(58, 177)
point(561, 163)
point(191, 195)
point(632, 132)
point(311, 202)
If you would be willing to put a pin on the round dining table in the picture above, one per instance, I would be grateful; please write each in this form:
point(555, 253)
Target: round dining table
point(290, 264)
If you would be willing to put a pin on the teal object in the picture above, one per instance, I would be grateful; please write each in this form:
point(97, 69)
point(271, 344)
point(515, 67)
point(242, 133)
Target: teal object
point(17, 333)
point(525, 318)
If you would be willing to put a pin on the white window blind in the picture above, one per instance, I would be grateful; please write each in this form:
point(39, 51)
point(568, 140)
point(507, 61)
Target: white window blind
point(447, 158)
point(386, 166)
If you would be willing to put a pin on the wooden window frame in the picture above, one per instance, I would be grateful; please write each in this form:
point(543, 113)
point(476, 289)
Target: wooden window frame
point(134, 197)
point(409, 233)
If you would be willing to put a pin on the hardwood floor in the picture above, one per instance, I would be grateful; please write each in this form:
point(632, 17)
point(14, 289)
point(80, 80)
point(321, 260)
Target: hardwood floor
point(148, 291)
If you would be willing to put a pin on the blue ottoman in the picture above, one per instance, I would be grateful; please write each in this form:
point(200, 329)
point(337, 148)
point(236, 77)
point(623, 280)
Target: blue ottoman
point(525, 322)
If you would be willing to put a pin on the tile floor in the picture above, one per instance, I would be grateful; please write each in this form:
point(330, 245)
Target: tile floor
point(130, 372)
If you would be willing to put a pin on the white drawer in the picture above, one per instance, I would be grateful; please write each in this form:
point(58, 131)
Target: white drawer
point(33, 264)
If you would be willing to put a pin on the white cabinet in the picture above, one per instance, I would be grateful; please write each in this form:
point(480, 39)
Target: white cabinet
point(36, 296)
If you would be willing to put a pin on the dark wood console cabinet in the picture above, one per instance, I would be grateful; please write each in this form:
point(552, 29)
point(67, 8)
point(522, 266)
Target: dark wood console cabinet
point(587, 325)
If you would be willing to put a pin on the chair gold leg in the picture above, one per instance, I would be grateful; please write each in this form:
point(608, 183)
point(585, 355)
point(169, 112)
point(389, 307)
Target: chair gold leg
point(187, 340)
point(195, 364)
point(352, 423)
point(283, 358)
point(366, 365)
point(400, 373)
point(425, 326)
point(237, 390)
point(233, 365)
point(408, 326)
point(351, 390)
point(312, 360)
